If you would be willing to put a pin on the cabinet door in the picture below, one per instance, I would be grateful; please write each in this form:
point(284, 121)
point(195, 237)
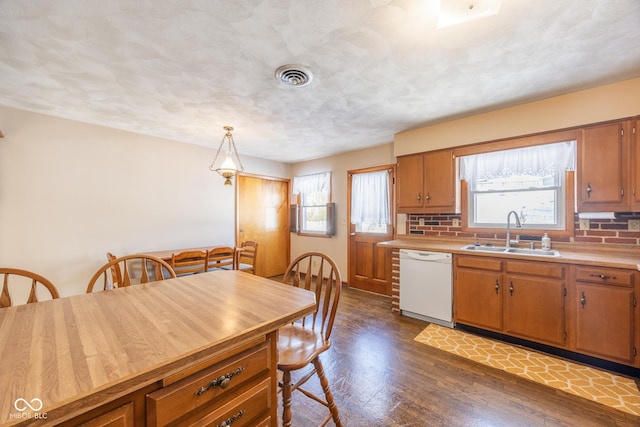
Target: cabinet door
point(439, 182)
point(602, 168)
point(534, 309)
point(478, 298)
point(604, 322)
point(634, 190)
point(410, 180)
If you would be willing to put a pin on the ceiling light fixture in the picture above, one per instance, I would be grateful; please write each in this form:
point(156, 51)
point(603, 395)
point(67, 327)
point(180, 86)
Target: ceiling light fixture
point(454, 12)
point(228, 167)
point(294, 75)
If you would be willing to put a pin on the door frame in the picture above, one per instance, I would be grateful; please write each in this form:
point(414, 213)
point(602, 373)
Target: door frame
point(392, 212)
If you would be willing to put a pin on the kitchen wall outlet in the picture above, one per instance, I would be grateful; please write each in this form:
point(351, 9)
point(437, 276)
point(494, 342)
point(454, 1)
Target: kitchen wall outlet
point(421, 221)
point(455, 222)
point(634, 225)
point(584, 224)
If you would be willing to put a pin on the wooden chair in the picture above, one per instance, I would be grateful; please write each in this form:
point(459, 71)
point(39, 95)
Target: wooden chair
point(27, 278)
point(132, 269)
point(189, 262)
point(116, 274)
point(302, 342)
point(221, 258)
point(246, 256)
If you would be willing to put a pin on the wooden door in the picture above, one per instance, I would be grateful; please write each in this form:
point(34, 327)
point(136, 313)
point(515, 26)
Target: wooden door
point(263, 216)
point(534, 308)
point(635, 166)
point(439, 182)
point(605, 322)
point(602, 168)
point(370, 264)
point(410, 182)
point(478, 298)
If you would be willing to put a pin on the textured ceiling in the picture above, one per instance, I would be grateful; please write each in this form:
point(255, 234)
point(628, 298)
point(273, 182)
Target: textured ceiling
point(184, 69)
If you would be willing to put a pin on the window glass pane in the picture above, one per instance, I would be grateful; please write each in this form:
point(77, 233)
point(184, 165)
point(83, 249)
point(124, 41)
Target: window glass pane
point(534, 207)
point(314, 219)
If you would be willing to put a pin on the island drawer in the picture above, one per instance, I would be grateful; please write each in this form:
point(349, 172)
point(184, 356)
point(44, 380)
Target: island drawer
point(212, 386)
point(604, 275)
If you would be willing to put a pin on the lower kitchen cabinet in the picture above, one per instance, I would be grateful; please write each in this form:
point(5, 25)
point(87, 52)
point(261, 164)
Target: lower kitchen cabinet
point(478, 292)
point(534, 301)
point(589, 310)
point(604, 304)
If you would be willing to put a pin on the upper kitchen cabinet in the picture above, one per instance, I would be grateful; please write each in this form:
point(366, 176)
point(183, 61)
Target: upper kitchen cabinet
point(608, 172)
point(634, 197)
point(426, 182)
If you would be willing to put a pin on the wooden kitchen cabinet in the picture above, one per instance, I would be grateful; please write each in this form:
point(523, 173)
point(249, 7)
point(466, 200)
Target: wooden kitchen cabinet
point(524, 299)
point(426, 182)
point(634, 196)
point(534, 297)
point(604, 303)
point(478, 292)
point(605, 158)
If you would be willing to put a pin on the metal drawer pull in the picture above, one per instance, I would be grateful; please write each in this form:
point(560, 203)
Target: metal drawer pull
point(229, 421)
point(222, 381)
point(603, 276)
point(583, 300)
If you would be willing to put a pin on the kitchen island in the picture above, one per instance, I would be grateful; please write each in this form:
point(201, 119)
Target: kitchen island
point(200, 347)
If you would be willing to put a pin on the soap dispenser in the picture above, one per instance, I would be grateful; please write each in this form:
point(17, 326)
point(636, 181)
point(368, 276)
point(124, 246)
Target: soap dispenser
point(546, 242)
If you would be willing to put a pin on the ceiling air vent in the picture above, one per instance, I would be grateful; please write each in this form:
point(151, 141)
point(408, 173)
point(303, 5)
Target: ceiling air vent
point(294, 75)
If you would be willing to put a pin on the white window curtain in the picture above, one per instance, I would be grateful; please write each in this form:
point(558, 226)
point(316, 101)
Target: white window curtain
point(315, 183)
point(540, 160)
point(370, 198)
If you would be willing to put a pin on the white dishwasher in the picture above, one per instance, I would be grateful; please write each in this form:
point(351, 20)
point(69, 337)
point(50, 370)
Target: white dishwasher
point(426, 289)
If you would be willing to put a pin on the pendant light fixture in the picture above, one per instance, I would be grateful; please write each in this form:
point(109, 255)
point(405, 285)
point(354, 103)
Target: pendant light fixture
point(227, 168)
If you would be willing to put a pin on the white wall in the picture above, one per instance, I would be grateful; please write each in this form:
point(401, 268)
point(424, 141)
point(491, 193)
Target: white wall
point(70, 192)
point(336, 246)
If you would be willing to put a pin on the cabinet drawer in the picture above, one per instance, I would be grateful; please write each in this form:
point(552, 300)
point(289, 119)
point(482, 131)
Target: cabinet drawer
point(542, 269)
point(249, 409)
point(479, 262)
point(204, 387)
point(606, 276)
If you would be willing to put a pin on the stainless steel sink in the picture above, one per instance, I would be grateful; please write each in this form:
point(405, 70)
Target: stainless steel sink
point(514, 251)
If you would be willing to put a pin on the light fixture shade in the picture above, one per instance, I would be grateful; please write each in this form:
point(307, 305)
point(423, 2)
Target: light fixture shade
point(227, 169)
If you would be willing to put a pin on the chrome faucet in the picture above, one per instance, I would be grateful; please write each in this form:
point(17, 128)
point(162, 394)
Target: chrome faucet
point(508, 243)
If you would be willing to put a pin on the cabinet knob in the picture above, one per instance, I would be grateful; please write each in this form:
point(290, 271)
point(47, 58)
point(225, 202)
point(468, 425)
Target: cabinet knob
point(497, 287)
point(589, 189)
point(583, 300)
point(419, 197)
point(511, 288)
point(428, 197)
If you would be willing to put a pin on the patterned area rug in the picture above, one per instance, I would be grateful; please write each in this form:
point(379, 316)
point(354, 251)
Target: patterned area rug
point(600, 386)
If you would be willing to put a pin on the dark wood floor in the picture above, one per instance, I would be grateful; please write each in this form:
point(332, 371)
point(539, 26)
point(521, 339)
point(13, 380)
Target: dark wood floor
point(381, 377)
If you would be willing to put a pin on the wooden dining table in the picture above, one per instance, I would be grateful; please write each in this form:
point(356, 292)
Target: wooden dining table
point(148, 354)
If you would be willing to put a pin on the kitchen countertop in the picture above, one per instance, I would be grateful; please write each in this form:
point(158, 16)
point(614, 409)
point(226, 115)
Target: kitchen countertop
point(75, 353)
point(626, 258)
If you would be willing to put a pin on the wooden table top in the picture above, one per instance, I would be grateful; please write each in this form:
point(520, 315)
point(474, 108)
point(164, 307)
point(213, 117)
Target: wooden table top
point(166, 254)
point(73, 353)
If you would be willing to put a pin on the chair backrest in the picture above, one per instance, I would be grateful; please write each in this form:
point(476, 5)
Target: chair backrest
point(189, 262)
point(221, 257)
point(319, 273)
point(116, 274)
point(25, 279)
point(246, 256)
point(134, 269)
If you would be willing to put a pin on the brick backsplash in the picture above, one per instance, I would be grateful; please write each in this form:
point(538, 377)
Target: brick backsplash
point(606, 231)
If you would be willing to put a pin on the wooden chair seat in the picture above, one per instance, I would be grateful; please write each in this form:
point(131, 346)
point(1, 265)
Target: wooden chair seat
point(129, 270)
point(32, 283)
point(301, 343)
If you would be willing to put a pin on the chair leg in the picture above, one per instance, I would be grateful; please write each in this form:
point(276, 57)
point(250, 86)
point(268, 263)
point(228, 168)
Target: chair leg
point(286, 398)
point(327, 392)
